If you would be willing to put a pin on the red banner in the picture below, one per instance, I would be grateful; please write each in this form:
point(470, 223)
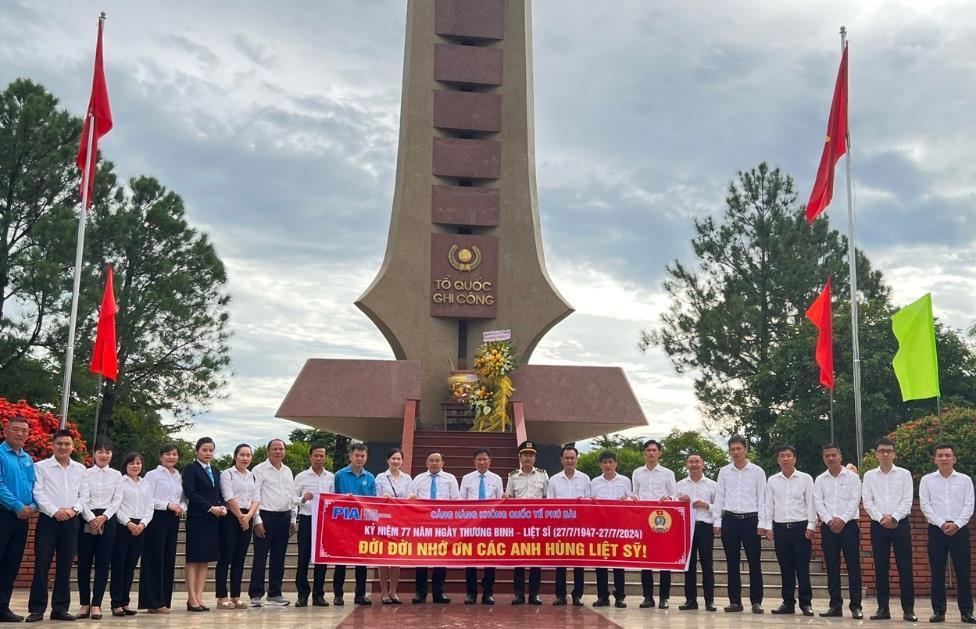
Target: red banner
point(355, 530)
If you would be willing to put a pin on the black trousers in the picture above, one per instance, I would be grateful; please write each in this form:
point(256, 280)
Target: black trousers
point(957, 548)
point(125, 556)
point(793, 551)
point(737, 534)
point(304, 558)
point(847, 541)
point(647, 584)
point(158, 560)
point(577, 582)
point(535, 581)
point(882, 540)
point(603, 584)
point(233, 548)
point(438, 576)
point(275, 542)
point(53, 539)
point(339, 580)
point(95, 550)
point(13, 538)
point(702, 549)
point(487, 580)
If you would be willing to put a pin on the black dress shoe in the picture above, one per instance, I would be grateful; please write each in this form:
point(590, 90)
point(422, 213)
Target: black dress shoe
point(784, 609)
point(646, 603)
point(338, 602)
point(833, 612)
point(440, 599)
point(577, 601)
point(757, 608)
point(909, 617)
point(710, 606)
point(301, 602)
point(601, 602)
point(487, 599)
point(734, 607)
point(881, 614)
point(131, 612)
point(190, 608)
point(62, 616)
point(968, 619)
point(559, 601)
point(34, 617)
point(9, 616)
point(535, 600)
point(519, 599)
point(663, 604)
point(319, 601)
point(807, 610)
point(937, 618)
point(619, 603)
point(856, 613)
point(470, 599)
point(362, 600)
point(688, 605)
point(417, 600)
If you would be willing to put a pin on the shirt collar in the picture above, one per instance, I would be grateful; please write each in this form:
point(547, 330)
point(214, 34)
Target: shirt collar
point(6, 447)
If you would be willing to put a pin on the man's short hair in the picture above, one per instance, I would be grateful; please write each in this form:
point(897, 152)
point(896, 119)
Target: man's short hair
point(63, 432)
point(283, 444)
point(652, 442)
point(484, 451)
point(944, 446)
point(694, 453)
point(317, 446)
point(358, 447)
point(740, 440)
point(885, 441)
point(565, 448)
point(831, 446)
point(786, 448)
point(607, 455)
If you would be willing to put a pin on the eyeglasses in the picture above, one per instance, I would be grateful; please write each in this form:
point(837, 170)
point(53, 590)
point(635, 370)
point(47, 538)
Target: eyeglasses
point(885, 451)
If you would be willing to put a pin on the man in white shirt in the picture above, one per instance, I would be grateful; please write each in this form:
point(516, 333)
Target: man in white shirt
point(654, 482)
point(837, 493)
point(610, 486)
point(740, 496)
point(791, 511)
point(274, 524)
point(434, 484)
point(568, 484)
point(308, 485)
point(946, 498)
point(887, 494)
point(527, 481)
point(699, 490)
point(58, 496)
point(481, 484)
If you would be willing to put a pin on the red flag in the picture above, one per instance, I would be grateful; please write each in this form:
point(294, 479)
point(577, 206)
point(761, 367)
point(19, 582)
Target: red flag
point(819, 313)
point(99, 115)
point(104, 359)
point(834, 146)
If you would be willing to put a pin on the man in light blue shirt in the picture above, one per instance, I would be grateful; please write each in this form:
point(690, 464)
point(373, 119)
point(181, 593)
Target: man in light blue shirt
point(356, 480)
point(17, 477)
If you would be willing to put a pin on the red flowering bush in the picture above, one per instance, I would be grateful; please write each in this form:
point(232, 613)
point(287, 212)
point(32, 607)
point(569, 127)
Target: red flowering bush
point(42, 427)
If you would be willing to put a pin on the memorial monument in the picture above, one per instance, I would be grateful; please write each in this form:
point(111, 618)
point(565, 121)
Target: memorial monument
point(464, 254)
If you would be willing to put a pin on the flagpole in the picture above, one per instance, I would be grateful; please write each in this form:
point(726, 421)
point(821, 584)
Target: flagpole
point(98, 407)
point(76, 289)
point(832, 416)
point(852, 266)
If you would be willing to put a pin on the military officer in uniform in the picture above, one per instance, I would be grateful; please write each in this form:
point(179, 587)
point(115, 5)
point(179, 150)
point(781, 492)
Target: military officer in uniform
point(527, 482)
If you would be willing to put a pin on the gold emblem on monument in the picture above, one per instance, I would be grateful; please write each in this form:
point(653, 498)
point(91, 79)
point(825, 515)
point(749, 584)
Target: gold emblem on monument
point(659, 520)
point(464, 259)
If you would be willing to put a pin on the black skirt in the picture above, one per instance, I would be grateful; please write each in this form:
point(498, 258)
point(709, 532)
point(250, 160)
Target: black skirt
point(202, 539)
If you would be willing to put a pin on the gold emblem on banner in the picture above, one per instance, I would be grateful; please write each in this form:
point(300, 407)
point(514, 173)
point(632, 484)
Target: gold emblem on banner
point(660, 521)
point(464, 259)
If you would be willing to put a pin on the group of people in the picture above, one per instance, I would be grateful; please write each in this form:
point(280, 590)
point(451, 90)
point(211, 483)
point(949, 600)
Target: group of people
point(115, 521)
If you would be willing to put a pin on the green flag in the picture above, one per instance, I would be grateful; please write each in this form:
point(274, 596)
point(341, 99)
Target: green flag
point(916, 362)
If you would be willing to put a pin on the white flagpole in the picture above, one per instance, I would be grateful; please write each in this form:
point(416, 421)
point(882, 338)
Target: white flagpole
point(69, 353)
point(852, 265)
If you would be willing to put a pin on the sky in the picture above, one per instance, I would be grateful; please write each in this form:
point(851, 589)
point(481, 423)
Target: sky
point(277, 123)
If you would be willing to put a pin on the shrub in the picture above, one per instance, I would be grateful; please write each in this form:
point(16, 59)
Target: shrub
point(42, 427)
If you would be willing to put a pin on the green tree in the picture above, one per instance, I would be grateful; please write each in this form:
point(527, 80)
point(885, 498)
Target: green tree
point(678, 444)
point(171, 327)
point(38, 200)
point(915, 441)
point(628, 459)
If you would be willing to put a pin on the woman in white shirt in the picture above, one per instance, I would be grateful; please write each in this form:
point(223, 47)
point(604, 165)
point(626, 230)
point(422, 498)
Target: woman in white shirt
point(134, 514)
point(392, 483)
point(241, 498)
point(159, 560)
point(100, 497)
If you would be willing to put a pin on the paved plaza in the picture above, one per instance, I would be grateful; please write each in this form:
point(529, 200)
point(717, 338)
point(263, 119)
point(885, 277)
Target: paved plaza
point(503, 614)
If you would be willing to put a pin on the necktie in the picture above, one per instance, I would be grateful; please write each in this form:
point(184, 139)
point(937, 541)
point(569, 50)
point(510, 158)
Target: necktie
point(213, 483)
point(433, 486)
point(482, 494)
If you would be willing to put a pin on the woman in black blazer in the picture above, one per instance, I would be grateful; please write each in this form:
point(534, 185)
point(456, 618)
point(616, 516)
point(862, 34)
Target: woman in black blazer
point(201, 486)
